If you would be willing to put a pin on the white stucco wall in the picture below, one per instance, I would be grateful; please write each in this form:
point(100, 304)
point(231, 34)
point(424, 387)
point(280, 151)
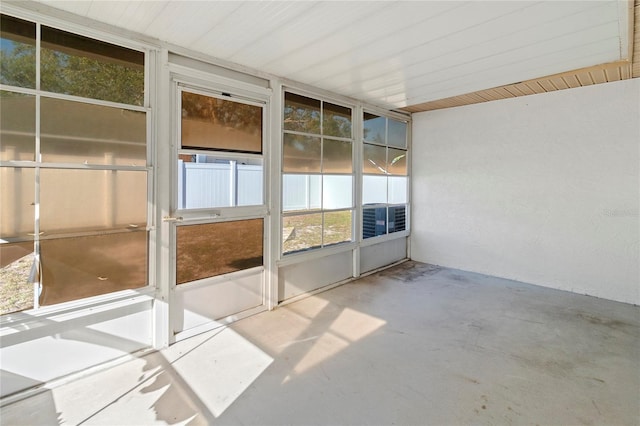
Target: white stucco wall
point(542, 189)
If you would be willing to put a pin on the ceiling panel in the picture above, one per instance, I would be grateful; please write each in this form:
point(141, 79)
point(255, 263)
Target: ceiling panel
point(569, 52)
point(362, 38)
point(169, 25)
point(492, 77)
point(248, 24)
point(317, 25)
point(458, 53)
point(389, 53)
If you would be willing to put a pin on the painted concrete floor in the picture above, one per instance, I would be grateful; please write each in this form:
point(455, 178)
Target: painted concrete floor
point(415, 344)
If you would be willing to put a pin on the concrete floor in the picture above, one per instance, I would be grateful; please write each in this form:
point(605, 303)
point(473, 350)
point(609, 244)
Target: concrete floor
point(415, 344)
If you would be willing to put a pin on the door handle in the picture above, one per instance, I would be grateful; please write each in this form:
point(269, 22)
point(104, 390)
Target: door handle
point(172, 219)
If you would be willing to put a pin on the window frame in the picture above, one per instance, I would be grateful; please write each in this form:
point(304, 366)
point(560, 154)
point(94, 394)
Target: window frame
point(223, 213)
point(387, 236)
point(322, 250)
point(205, 84)
point(150, 53)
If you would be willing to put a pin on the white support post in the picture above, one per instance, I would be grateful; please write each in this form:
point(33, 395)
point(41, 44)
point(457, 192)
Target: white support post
point(162, 111)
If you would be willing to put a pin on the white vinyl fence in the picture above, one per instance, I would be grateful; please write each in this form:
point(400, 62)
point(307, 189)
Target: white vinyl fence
point(230, 183)
point(205, 185)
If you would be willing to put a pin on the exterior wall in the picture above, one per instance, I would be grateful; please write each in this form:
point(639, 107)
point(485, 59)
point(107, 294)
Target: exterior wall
point(304, 277)
point(382, 254)
point(541, 189)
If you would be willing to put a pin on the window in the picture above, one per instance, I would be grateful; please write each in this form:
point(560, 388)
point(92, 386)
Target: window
point(220, 161)
point(220, 165)
point(212, 249)
point(385, 176)
point(317, 174)
point(73, 165)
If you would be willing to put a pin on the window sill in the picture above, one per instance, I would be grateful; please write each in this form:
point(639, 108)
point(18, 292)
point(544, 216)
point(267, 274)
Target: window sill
point(384, 238)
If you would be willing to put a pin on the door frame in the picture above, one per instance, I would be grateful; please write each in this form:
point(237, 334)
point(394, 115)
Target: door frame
point(211, 85)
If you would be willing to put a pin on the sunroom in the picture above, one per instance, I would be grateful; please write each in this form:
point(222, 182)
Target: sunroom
point(169, 168)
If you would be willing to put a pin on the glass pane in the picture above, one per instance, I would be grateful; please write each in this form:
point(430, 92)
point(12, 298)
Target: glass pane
point(397, 189)
point(301, 154)
point(84, 200)
point(17, 202)
point(397, 219)
point(337, 227)
point(374, 129)
point(74, 268)
point(204, 184)
point(374, 190)
point(16, 289)
point(374, 222)
point(17, 52)
point(375, 159)
point(206, 181)
point(250, 187)
point(337, 156)
point(336, 120)
point(397, 161)
point(212, 123)
point(212, 249)
point(301, 192)
point(73, 132)
point(301, 114)
point(301, 232)
point(337, 191)
point(397, 133)
point(81, 66)
point(17, 126)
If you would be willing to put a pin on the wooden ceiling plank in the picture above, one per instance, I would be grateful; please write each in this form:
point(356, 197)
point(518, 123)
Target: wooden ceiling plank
point(559, 83)
point(598, 76)
point(475, 98)
point(572, 81)
point(513, 91)
point(493, 94)
point(452, 102)
point(625, 72)
point(516, 90)
point(577, 78)
point(535, 86)
point(546, 85)
point(526, 90)
point(584, 79)
point(613, 73)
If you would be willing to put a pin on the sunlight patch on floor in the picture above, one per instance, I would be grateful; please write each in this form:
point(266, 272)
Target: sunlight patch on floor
point(224, 370)
point(349, 327)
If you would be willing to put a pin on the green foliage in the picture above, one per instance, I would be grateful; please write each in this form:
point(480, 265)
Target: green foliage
point(72, 75)
point(18, 66)
point(219, 111)
point(336, 125)
point(303, 118)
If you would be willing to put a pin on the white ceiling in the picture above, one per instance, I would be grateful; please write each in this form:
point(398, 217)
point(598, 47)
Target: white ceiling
point(389, 53)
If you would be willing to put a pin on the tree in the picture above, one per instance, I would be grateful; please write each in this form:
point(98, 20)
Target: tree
point(226, 113)
point(71, 74)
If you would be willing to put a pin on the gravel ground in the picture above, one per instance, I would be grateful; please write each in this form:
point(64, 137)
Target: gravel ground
point(15, 293)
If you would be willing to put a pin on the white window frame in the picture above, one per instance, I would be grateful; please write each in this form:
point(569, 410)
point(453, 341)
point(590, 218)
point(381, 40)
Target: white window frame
point(323, 250)
point(209, 213)
point(364, 242)
point(80, 307)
